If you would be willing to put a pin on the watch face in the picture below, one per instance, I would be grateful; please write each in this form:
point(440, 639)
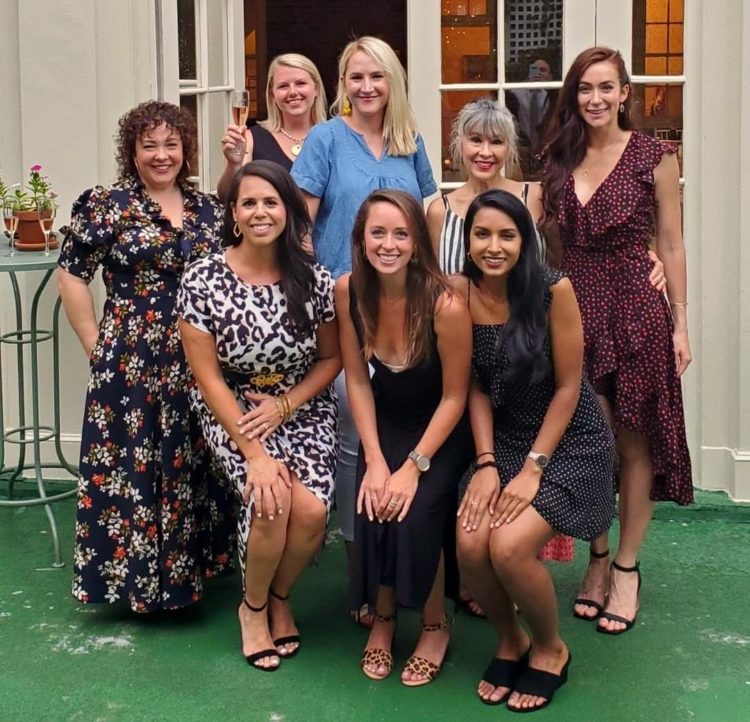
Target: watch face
point(423, 463)
point(542, 461)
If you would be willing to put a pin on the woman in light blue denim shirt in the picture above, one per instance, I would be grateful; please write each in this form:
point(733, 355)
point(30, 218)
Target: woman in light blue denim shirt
point(369, 144)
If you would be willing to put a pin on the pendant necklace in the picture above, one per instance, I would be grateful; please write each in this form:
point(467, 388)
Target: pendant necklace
point(297, 147)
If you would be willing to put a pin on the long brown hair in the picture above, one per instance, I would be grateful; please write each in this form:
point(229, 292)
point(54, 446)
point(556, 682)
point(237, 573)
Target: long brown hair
point(566, 146)
point(425, 282)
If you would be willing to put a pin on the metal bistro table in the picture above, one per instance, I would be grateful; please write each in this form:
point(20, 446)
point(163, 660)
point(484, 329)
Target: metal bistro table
point(35, 433)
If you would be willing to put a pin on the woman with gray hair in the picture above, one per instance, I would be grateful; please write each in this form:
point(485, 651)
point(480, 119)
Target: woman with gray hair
point(484, 142)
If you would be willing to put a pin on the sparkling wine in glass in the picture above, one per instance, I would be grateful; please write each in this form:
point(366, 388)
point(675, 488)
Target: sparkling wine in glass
point(10, 218)
point(240, 110)
point(46, 209)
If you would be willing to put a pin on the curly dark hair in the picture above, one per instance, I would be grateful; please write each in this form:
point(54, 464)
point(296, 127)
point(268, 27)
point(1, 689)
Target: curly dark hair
point(146, 117)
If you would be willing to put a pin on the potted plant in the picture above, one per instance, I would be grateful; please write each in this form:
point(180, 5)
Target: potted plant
point(35, 203)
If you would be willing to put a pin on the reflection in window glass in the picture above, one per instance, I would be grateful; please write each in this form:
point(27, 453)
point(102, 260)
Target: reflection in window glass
point(657, 111)
point(533, 31)
point(187, 39)
point(190, 103)
point(469, 41)
point(658, 37)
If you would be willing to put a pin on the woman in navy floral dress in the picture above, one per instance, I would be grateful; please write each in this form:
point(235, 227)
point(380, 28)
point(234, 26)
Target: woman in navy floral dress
point(149, 523)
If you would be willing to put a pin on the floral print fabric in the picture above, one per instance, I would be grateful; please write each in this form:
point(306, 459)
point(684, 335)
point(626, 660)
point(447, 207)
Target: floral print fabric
point(153, 513)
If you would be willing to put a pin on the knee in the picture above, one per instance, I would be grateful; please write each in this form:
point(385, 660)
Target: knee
point(309, 518)
point(471, 550)
point(505, 552)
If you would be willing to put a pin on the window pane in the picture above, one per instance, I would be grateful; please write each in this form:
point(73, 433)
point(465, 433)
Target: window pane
point(656, 38)
point(217, 42)
point(676, 11)
point(675, 39)
point(656, 11)
point(533, 109)
point(469, 48)
point(187, 39)
point(657, 110)
point(533, 33)
point(190, 103)
point(656, 65)
point(452, 101)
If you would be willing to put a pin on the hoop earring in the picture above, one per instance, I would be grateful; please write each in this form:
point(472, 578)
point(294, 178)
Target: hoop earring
point(346, 108)
point(236, 231)
point(622, 107)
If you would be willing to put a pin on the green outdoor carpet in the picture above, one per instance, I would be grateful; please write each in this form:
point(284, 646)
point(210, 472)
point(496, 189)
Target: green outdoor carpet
point(688, 657)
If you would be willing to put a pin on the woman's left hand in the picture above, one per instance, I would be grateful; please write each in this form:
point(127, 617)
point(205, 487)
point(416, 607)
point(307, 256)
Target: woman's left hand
point(261, 421)
point(657, 278)
point(682, 355)
point(518, 493)
point(400, 489)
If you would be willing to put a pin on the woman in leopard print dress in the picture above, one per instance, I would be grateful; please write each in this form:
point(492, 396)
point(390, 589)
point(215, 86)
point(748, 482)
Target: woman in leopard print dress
point(259, 330)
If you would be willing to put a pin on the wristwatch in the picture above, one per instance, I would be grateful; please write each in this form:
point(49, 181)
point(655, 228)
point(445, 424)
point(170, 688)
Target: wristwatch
point(422, 461)
point(541, 460)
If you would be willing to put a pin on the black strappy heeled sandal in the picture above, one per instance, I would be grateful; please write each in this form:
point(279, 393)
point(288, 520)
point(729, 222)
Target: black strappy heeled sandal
point(590, 602)
point(252, 659)
point(636, 569)
point(289, 639)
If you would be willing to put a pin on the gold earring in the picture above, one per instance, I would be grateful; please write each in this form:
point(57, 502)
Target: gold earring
point(347, 106)
point(236, 231)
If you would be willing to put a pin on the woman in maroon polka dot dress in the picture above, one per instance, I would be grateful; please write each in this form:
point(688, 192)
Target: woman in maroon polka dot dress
point(610, 190)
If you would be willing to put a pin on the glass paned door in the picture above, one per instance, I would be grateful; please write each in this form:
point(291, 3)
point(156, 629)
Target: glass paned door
point(513, 50)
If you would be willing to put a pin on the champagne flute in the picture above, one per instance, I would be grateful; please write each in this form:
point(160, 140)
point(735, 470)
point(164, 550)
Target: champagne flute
point(46, 209)
point(240, 111)
point(10, 217)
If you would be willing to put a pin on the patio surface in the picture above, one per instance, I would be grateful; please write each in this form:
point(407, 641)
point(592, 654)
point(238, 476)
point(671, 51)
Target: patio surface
point(688, 658)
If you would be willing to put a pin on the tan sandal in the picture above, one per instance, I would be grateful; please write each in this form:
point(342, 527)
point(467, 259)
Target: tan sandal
point(420, 665)
point(376, 657)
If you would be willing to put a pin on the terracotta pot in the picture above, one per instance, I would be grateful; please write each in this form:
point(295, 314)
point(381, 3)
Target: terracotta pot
point(29, 236)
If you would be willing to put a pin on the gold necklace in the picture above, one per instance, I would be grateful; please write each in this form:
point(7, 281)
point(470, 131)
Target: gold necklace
point(297, 147)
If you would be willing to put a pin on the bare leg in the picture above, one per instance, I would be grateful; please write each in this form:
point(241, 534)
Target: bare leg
point(595, 584)
point(305, 530)
point(513, 550)
point(432, 645)
point(482, 582)
point(636, 509)
point(381, 634)
point(265, 545)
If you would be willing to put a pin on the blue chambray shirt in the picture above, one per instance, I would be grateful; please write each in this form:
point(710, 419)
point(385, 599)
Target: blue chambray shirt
point(337, 166)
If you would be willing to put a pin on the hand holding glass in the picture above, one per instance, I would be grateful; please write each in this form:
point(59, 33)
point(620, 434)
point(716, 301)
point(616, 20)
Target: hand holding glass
point(46, 211)
point(240, 110)
point(10, 217)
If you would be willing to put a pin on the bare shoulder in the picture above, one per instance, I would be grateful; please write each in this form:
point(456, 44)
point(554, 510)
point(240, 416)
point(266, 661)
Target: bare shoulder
point(436, 209)
point(459, 284)
point(450, 306)
point(342, 292)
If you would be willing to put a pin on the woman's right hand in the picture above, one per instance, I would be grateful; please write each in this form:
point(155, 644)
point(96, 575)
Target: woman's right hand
point(264, 478)
point(236, 143)
point(481, 496)
point(372, 488)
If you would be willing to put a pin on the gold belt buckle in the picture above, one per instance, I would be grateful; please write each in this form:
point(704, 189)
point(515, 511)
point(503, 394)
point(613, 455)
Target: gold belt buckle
point(263, 380)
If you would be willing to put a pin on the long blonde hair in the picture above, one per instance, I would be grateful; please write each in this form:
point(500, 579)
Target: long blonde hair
point(399, 125)
point(301, 62)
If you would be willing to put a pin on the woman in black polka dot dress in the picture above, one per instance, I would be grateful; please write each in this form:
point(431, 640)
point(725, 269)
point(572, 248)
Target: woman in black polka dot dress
point(612, 190)
point(544, 447)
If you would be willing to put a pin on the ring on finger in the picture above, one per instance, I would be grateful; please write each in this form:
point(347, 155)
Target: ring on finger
point(474, 503)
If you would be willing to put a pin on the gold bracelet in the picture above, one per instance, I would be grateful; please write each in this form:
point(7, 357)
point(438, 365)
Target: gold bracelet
point(279, 407)
point(287, 407)
point(679, 304)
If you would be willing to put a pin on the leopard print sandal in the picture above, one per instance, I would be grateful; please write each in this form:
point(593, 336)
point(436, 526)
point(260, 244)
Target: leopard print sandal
point(378, 657)
point(419, 665)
